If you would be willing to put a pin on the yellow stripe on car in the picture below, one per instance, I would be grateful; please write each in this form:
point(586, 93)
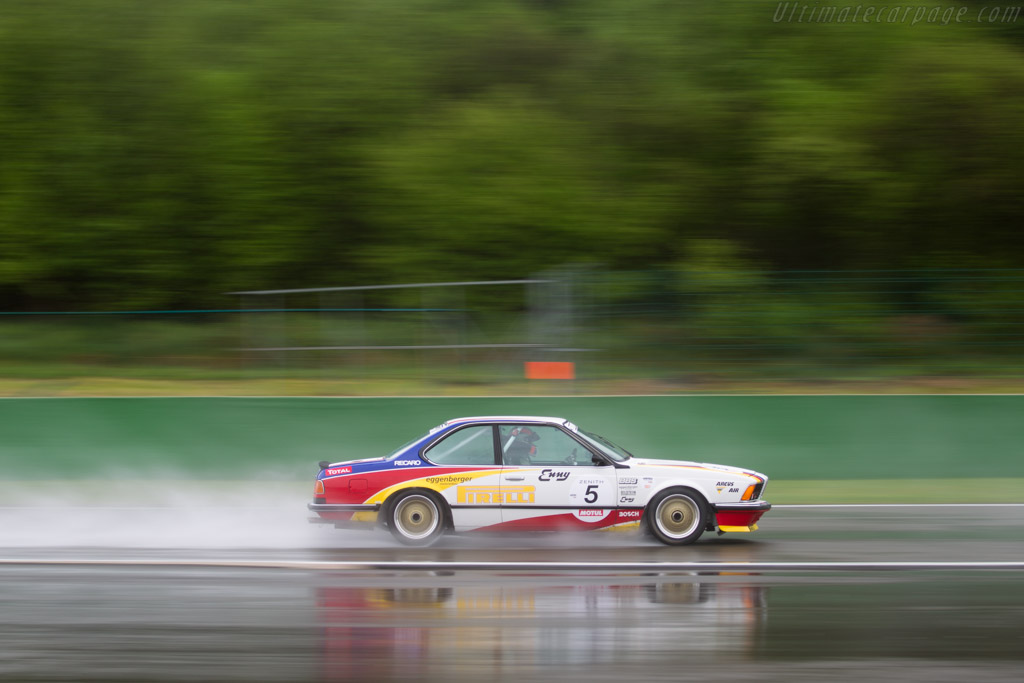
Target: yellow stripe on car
point(435, 482)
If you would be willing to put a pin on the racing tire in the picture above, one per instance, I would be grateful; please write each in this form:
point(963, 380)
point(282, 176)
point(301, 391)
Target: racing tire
point(416, 518)
point(677, 516)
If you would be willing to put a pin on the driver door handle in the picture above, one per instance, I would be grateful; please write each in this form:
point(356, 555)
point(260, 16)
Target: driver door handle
point(507, 478)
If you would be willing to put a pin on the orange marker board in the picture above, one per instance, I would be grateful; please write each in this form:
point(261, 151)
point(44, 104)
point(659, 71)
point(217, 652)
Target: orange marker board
point(550, 370)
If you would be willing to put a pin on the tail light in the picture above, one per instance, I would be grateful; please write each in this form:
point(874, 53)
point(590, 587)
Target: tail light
point(319, 489)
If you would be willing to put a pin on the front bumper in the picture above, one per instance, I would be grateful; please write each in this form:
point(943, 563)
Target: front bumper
point(740, 516)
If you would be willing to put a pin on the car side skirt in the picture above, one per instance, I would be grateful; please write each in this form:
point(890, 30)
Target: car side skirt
point(574, 518)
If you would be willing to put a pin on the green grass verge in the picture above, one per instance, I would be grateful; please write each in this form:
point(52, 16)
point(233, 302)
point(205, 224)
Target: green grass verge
point(896, 491)
point(158, 385)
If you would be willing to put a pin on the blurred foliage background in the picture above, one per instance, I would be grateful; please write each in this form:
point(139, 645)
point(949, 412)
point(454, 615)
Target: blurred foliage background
point(154, 156)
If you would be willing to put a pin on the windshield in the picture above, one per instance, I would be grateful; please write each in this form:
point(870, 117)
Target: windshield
point(616, 453)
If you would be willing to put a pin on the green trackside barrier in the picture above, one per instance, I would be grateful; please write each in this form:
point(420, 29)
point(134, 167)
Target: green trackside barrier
point(787, 437)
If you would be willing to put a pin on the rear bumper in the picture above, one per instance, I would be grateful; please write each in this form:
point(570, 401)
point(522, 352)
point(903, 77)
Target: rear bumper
point(740, 516)
point(344, 515)
point(342, 507)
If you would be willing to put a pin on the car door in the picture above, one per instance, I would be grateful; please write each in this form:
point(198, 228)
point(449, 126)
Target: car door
point(550, 480)
point(468, 475)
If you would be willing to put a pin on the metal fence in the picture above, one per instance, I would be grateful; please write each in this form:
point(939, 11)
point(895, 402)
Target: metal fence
point(674, 329)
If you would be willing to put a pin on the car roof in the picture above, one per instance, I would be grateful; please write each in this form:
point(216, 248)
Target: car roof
point(511, 418)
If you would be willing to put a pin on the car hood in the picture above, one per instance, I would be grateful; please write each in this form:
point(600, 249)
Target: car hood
point(649, 462)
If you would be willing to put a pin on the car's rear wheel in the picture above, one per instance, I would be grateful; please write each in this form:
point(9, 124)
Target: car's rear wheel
point(677, 516)
point(416, 518)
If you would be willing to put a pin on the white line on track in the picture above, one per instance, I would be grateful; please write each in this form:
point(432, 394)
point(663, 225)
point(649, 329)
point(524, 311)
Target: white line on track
point(625, 567)
point(138, 508)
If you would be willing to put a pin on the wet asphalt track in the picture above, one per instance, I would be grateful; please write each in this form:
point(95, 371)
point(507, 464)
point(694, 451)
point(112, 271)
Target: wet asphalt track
point(138, 623)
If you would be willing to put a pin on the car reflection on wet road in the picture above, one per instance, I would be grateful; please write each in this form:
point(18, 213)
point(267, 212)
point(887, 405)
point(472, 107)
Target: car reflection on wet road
point(521, 631)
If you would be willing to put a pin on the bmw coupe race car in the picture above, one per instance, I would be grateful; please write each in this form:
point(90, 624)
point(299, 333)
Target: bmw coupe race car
point(533, 474)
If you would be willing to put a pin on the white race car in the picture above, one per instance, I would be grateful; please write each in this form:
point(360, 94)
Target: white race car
point(533, 474)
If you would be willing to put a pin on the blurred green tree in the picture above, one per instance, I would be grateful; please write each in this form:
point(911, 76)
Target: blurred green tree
point(155, 156)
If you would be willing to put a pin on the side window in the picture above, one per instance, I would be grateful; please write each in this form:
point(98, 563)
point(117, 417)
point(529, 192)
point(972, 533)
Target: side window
point(524, 445)
point(469, 446)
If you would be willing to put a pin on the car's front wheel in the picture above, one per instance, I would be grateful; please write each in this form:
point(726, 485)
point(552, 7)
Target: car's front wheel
point(677, 516)
point(416, 518)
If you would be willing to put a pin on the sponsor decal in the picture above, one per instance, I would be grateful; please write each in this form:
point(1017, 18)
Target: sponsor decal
point(408, 463)
point(629, 514)
point(627, 492)
point(734, 490)
point(723, 484)
point(551, 475)
point(591, 515)
point(449, 479)
point(627, 480)
point(338, 470)
point(587, 482)
point(495, 495)
point(626, 499)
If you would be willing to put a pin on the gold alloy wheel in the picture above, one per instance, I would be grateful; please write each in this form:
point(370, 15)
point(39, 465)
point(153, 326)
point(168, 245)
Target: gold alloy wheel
point(677, 516)
point(416, 517)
